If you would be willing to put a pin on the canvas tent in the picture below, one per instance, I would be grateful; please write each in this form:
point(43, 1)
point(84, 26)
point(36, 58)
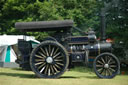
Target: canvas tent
point(9, 50)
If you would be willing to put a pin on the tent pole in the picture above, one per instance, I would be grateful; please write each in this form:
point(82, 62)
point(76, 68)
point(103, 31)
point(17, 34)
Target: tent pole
point(24, 36)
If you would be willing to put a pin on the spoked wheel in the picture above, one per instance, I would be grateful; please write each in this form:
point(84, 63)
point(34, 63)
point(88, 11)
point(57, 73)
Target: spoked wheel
point(49, 60)
point(106, 65)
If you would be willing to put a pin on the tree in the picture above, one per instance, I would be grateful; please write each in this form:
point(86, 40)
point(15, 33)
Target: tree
point(118, 22)
point(83, 12)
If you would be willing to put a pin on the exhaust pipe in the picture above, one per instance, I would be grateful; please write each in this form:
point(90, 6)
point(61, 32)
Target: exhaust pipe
point(103, 25)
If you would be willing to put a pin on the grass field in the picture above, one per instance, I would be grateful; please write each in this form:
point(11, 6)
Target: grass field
point(76, 76)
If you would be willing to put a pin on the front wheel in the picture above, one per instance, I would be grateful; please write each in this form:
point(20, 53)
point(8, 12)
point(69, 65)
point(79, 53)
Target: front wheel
point(49, 60)
point(106, 65)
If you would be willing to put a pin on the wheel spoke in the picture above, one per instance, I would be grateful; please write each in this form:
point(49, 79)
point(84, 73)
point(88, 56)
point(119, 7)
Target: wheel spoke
point(52, 69)
point(42, 54)
point(56, 60)
point(112, 69)
point(52, 51)
point(59, 63)
point(38, 56)
point(57, 66)
point(103, 72)
point(43, 51)
point(39, 60)
point(49, 72)
point(49, 46)
point(55, 51)
point(39, 63)
point(106, 59)
point(46, 51)
point(106, 72)
point(56, 55)
point(100, 62)
point(110, 73)
point(109, 60)
point(46, 69)
point(100, 69)
point(99, 65)
point(113, 66)
point(113, 62)
point(42, 69)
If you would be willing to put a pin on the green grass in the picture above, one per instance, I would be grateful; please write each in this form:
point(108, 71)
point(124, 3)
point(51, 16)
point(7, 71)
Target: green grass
point(76, 76)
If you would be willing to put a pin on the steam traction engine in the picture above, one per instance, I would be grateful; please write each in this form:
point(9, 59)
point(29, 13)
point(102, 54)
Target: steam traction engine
point(55, 54)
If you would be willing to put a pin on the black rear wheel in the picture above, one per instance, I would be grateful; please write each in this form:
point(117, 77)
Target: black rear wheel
point(49, 60)
point(106, 65)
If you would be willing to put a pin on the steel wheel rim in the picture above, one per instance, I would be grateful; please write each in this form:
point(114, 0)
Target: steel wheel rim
point(42, 63)
point(106, 66)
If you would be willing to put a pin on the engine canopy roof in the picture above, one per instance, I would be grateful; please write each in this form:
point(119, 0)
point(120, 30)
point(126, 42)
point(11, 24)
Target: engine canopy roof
point(45, 25)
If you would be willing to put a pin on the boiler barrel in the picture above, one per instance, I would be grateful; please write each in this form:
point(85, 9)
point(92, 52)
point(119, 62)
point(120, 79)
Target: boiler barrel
point(99, 48)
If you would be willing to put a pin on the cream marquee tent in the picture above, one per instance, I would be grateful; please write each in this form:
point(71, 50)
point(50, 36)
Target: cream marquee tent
point(9, 50)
